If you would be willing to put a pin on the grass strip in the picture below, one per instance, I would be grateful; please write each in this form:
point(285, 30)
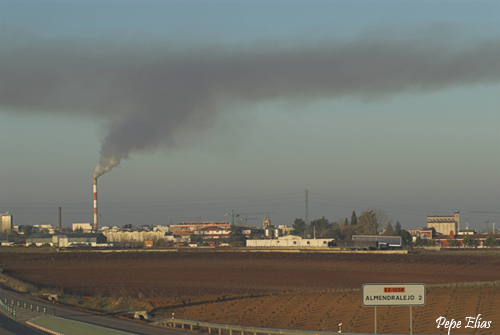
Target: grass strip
point(70, 327)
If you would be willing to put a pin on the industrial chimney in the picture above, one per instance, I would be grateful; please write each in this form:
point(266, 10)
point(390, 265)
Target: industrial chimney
point(60, 223)
point(95, 205)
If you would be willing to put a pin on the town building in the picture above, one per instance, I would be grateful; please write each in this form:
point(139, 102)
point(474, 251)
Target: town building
point(85, 227)
point(217, 232)
point(273, 232)
point(423, 233)
point(285, 229)
point(192, 226)
point(133, 236)
point(444, 224)
point(43, 227)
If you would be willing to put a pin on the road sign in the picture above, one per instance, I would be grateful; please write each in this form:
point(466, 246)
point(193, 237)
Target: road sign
point(393, 294)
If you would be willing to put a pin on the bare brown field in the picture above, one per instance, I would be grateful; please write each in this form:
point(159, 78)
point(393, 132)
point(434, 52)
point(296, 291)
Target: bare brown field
point(323, 311)
point(278, 290)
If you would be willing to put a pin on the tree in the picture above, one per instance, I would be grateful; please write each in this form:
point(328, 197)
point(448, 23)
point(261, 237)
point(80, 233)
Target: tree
point(333, 232)
point(160, 243)
point(11, 236)
point(397, 228)
point(236, 237)
point(452, 242)
point(354, 219)
point(27, 230)
point(318, 226)
point(368, 223)
point(346, 222)
point(467, 241)
point(418, 241)
point(382, 216)
point(491, 242)
point(196, 238)
point(346, 232)
point(299, 227)
point(389, 231)
point(406, 237)
point(67, 230)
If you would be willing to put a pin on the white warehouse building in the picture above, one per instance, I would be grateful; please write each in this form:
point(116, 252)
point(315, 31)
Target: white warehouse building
point(290, 241)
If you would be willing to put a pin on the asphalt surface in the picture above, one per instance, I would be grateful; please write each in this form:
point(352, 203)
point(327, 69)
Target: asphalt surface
point(10, 326)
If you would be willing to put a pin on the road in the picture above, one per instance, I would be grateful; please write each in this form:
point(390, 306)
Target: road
point(8, 325)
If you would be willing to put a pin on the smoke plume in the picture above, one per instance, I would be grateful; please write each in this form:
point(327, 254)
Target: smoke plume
point(149, 95)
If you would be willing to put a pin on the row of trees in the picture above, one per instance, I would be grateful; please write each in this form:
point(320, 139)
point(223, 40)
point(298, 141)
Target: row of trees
point(470, 242)
point(368, 223)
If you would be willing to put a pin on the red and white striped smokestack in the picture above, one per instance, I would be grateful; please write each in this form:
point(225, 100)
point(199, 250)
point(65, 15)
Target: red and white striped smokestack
point(95, 205)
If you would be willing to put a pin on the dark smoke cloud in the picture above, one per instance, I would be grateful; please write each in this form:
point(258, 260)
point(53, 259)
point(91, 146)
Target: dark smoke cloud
point(146, 94)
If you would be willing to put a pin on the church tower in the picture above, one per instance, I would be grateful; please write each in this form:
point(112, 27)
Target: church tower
point(267, 222)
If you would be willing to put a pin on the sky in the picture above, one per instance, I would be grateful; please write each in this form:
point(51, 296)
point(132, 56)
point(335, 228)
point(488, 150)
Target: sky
point(189, 110)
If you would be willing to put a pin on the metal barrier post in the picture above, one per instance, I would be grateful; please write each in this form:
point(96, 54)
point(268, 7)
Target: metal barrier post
point(38, 309)
point(54, 311)
point(44, 311)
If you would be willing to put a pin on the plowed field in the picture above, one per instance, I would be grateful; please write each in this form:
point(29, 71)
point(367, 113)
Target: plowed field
point(279, 290)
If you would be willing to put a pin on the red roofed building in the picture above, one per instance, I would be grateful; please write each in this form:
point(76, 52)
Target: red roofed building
point(192, 226)
point(423, 233)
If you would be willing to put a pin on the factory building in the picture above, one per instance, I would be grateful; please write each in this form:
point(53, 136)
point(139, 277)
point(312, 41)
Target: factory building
point(66, 240)
point(290, 241)
point(444, 224)
point(6, 219)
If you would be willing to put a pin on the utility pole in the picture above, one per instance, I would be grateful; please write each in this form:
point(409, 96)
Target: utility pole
point(307, 212)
